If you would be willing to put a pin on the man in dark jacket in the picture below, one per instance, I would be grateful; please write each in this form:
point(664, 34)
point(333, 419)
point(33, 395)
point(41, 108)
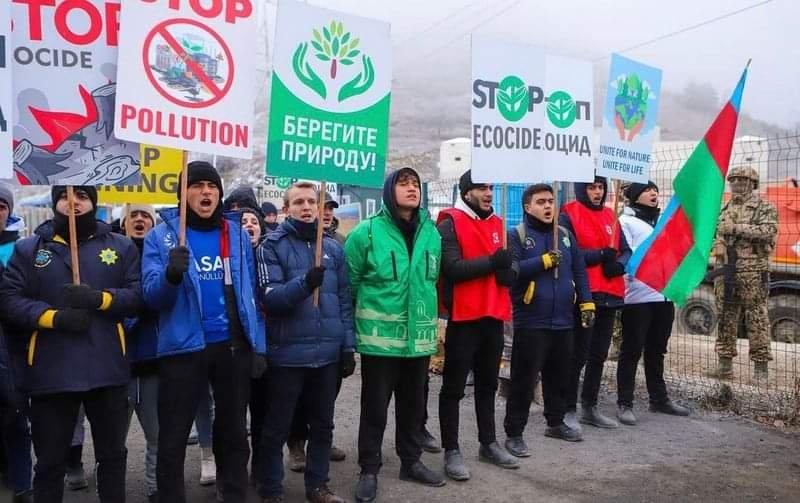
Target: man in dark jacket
point(310, 343)
point(605, 252)
point(477, 273)
point(15, 436)
point(209, 328)
point(136, 222)
point(330, 221)
point(76, 346)
point(270, 215)
point(544, 302)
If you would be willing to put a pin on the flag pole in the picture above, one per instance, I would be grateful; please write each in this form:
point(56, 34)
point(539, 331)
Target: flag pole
point(320, 228)
point(73, 236)
point(184, 187)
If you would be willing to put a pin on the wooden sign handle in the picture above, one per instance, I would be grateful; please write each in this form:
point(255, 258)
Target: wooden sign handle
point(505, 216)
point(182, 212)
point(73, 236)
point(617, 198)
point(320, 229)
point(555, 224)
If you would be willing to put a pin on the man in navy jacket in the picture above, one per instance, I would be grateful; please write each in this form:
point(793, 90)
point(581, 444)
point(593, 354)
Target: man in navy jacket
point(310, 345)
point(208, 329)
point(544, 306)
point(76, 341)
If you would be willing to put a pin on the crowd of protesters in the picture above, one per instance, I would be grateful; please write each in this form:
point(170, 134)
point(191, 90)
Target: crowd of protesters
point(244, 316)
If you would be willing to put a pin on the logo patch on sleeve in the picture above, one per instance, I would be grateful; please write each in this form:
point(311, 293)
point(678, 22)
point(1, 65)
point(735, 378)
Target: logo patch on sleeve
point(43, 258)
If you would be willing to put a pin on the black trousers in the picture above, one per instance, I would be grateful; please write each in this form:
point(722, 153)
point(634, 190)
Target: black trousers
point(533, 351)
point(476, 346)
point(53, 420)
point(315, 389)
point(258, 411)
point(645, 327)
point(182, 381)
point(590, 349)
point(301, 427)
point(382, 377)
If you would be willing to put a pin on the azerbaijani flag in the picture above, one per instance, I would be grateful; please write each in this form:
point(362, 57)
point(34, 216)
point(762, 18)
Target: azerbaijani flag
point(674, 259)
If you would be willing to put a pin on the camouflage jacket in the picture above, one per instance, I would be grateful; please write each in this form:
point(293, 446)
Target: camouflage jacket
point(751, 226)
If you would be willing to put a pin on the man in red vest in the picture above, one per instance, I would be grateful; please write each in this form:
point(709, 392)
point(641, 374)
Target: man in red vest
point(476, 275)
point(606, 252)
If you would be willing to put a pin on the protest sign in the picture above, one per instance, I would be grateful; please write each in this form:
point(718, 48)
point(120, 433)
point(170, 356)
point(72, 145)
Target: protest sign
point(629, 120)
point(186, 76)
point(329, 108)
point(64, 58)
point(159, 180)
point(531, 114)
point(6, 141)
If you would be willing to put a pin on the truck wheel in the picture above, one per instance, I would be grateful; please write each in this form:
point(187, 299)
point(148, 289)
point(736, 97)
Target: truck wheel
point(699, 315)
point(784, 318)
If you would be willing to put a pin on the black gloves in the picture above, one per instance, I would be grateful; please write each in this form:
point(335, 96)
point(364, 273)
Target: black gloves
point(501, 259)
point(178, 264)
point(314, 277)
point(608, 254)
point(505, 277)
point(82, 297)
point(347, 364)
point(259, 366)
point(72, 320)
point(613, 269)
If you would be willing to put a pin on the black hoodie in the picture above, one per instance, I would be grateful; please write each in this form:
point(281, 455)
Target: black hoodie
point(583, 197)
point(407, 227)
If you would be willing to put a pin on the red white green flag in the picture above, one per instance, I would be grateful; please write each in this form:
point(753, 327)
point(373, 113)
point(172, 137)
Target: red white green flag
point(674, 259)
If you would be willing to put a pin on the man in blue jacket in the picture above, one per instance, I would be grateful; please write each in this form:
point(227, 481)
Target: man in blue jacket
point(544, 303)
point(310, 345)
point(76, 341)
point(209, 328)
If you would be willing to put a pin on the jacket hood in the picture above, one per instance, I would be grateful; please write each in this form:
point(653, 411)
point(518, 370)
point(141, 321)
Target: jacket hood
point(583, 198)
point(389, 199)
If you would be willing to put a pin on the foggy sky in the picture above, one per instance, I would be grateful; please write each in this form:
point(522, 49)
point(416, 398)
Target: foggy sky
point(431, 36)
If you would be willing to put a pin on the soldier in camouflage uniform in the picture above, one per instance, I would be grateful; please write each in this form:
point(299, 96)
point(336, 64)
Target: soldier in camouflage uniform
point(746, 234)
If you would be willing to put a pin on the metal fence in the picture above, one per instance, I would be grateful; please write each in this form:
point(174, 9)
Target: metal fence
point(691, 362)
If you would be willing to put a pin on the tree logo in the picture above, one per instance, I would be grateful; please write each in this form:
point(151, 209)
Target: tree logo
point(561, 109)
point(338, 50)
point(512, 98)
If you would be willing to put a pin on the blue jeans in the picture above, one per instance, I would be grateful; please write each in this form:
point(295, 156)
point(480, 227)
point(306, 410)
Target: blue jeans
point(315, 388)
point(143, 399)
point(17, 440)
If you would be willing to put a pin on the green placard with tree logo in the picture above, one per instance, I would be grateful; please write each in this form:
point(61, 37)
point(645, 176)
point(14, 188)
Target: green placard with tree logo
point(331, 88)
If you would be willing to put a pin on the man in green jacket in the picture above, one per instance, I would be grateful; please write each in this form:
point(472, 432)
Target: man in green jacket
point(393, 260)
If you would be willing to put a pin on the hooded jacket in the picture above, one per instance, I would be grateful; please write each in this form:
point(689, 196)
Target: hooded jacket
point(179, 314)
point(593, 234)
point(59, 361)
point(302, 335)
point(394, 287)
